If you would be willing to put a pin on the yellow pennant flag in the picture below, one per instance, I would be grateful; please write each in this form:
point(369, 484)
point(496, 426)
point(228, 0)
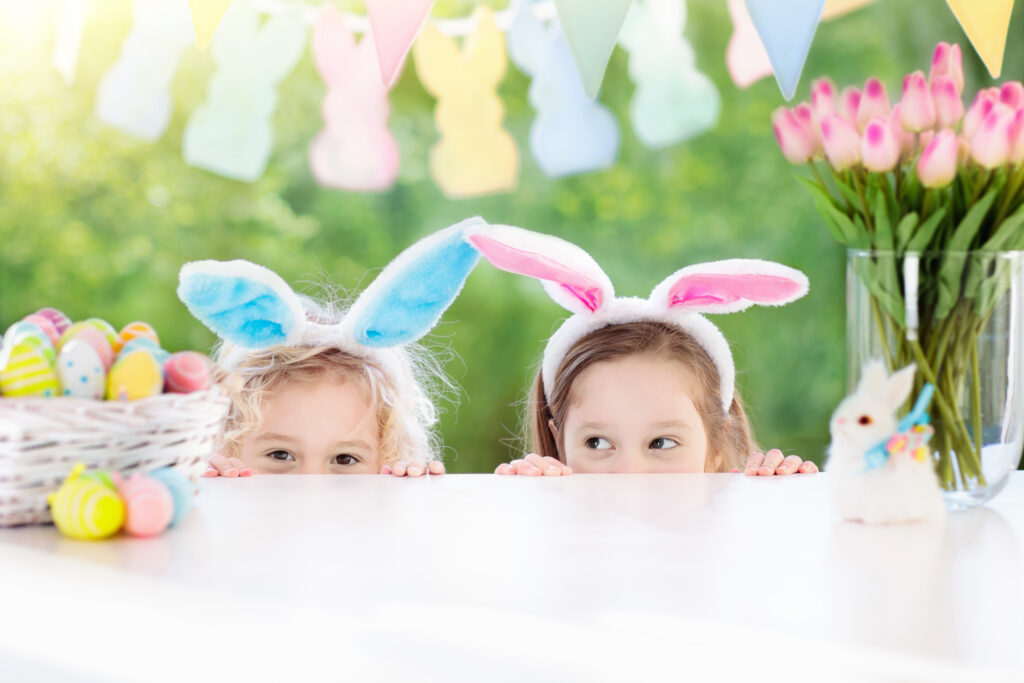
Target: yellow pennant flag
point(206, 14)
point(837, 8)
point(986, 23)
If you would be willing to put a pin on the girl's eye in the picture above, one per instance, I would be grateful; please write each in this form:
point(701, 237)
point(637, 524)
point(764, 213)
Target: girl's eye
point(345, 460)
point(597, 443)
point(280, 455)
point(663, 442)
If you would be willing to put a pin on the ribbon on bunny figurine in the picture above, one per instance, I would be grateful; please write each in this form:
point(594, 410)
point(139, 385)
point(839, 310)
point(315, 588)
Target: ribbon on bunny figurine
point(252, 308)
point(912, 435)
point(576, 282)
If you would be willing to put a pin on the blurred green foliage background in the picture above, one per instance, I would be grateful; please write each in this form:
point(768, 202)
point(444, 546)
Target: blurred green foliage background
point(97, 223)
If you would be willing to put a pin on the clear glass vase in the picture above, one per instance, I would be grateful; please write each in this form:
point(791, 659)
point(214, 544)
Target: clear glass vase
point(960, 317)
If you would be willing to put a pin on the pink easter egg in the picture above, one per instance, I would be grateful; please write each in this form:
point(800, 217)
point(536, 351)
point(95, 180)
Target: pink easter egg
point(148, 505)
point(185, 372)
point(46, 325)
point(94, 338)
point(60, 321)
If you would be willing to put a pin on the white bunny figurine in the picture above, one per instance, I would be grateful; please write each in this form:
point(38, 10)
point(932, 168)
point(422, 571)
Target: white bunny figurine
point(879, 468)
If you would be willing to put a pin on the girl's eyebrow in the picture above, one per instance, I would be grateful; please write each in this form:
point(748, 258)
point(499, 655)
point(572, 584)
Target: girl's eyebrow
point(274, 436)
point(678, 424)
point(352, 444)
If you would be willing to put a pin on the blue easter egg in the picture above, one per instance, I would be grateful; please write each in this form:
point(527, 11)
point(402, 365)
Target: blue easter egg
point(182, 490)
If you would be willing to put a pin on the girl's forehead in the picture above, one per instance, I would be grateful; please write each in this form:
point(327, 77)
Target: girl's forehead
point(634, 388)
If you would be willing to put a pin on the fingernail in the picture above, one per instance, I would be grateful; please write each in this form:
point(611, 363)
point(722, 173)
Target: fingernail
point(414, 471)
point(233, 472)
point(766, 470)
point(553, 470)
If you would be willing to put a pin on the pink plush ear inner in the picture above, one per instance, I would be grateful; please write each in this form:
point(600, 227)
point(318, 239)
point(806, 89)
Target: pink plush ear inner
point(541, 267)
point(699, 290)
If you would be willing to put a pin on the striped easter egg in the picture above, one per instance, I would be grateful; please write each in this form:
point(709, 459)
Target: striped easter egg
point(185, 372)
point(86, 509)
point(24, 330)
point(60, 321)
point(135, 375)
point(146, 344)
point(133, 331)
point(29, 372)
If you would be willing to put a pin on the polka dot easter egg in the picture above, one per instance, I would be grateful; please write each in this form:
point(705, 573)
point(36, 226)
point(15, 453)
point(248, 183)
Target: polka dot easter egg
point(86, 509)
point(94, 337)
point(183, 491)
point(135, 375)
point(28, 370)
point(149, 506)
point(60, 321)
point(185, 372)
point(80, 371)
point(135, 330)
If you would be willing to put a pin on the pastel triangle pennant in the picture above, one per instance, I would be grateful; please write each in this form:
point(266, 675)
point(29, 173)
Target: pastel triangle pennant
point(986, 23)
point(206, 15)
point(592, 28)
point(786, 28)
point(837, 8)
point(395, 24)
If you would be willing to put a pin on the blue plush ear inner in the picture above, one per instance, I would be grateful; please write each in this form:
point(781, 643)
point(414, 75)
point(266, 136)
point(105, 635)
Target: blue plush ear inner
point(412, 301)
point(245, 312)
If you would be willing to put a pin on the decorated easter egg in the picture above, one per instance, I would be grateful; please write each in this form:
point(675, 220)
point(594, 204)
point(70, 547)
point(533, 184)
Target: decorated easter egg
point(46, 326)
point(80, 371)
point(185, 372)
point(86, 509)
point(24, 330)
point(106, 328)
point(135, 375)
point(60, 321)
point(183, 491)
point(29, 371)
point(148, 345)
point(133, 331)
point(100, 477)
point(94, 337)
point(149, 506)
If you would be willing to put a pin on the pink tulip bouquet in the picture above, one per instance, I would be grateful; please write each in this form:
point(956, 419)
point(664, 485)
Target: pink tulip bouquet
point(923, 182)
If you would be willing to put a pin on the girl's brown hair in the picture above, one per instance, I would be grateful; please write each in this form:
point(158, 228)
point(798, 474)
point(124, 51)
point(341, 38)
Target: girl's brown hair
point(730, 441)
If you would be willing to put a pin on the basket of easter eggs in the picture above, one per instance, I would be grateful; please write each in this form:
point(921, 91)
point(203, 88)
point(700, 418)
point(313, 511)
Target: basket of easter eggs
point(85, 393)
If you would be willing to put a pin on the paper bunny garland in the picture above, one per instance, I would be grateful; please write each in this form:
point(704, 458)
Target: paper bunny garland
point(576, 282)
point(252, 308)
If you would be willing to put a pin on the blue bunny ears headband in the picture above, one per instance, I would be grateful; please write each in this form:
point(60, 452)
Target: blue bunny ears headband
point(251, 307)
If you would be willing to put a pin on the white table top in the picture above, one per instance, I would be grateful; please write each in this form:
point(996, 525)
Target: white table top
point(481, 577)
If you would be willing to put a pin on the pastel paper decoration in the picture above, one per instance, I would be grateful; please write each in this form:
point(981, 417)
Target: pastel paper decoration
point(745, 57)
point(355, 150)
point(592, 28)
point(786, 28)
point(986, 23)
point(230, 133)
point(395, 24)
point(475, 155)
point(206, 15)
point(673, 101)
point(67, 40)
point(572, 132)
point(134, 95)
point(837, 8)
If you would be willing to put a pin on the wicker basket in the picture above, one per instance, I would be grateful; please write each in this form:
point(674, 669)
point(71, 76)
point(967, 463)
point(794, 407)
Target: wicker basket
point(42, 438)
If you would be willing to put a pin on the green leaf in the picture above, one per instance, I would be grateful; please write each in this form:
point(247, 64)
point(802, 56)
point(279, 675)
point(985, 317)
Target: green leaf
point(1006, 233)
point(952, 270)
point(905, 229)
point(838, 223)
point(849, 194)
point(883, 228)
point(923, 237)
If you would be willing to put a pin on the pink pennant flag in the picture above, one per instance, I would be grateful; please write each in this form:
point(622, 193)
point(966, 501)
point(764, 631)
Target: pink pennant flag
point(395, 24)
point(746, 58)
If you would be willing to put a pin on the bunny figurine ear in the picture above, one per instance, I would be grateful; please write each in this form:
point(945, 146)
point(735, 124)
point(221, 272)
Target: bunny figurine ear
point(730, 286)
point(242, 303)
point(409, 296)
point(570, 275)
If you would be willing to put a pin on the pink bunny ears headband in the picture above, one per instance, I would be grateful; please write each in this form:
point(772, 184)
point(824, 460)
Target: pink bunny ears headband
point(576, 282)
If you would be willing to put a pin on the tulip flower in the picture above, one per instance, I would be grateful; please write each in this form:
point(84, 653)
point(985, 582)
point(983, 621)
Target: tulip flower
point(841, 141)
point(947, 61)
point(938, 162)
point(805, 115)
point(949, 108)
point(873, 102)
point(983, 103)
point(794, 140)
point(823, 94)
point(917, 109)
point(850, 101)
point(879, 148)
point(905, 139)
point(993, 140)
point(1012, 94)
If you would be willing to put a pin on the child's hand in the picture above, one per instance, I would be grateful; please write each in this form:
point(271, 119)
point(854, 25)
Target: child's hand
point(534, 466)
point(773, 462)
point(413, 469)
point(219, 466)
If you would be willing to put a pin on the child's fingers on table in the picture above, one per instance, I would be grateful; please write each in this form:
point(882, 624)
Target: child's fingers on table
point(398, 469)
point(772, 460)
point(754, 462)
point(547, 465)
point(415, 469)
point(808, 468)
point(524, 467)
point(436, 467)
point(504, 468)
point(226, 467)
point(385, 469)
point(790, 465)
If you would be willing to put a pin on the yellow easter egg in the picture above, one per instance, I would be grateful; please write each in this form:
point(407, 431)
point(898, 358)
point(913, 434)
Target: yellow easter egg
point(133, 331)
point(86, 509)
point(29, 371)
point(134, 375)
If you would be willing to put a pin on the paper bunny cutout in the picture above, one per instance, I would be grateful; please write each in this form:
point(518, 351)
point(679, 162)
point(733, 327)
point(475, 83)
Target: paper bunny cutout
point(673, 101)
point(355, 150)
point(251, 307)
point(572, 133)
point(576, 282)
point(134, 94)
point(745, 57)
point(230, 133)
point(475, 155)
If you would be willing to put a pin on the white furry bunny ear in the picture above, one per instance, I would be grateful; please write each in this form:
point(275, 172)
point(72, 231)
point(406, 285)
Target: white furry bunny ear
point(570, 275)
point(730, 286)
